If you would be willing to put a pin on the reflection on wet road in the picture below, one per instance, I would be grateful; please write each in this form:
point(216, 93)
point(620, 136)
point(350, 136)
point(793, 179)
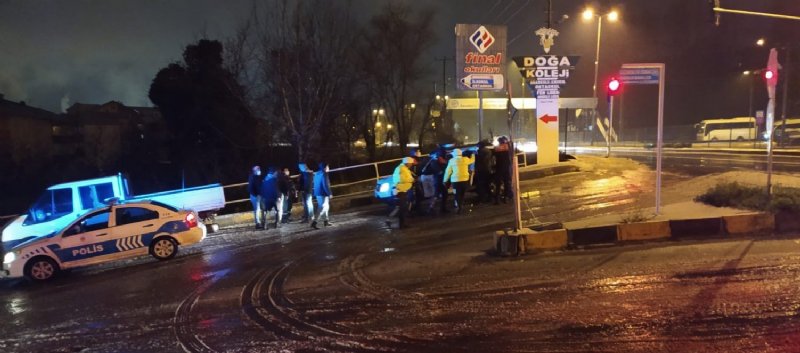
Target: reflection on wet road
point(360, 287)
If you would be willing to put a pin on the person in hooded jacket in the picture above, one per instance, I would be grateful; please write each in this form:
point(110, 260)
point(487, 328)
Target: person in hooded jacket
point(502, 170)
point(271, 197)
point(457, 174)
point(289, 191)
point(322, 191)
point(435, 168)
point(306, 185)
point(483, 171)
point(254, 189)
point(403, 179)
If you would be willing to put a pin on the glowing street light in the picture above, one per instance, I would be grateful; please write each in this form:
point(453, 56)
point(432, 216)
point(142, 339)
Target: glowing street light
point(588, 14)
point(612, 16)
point(760, 42)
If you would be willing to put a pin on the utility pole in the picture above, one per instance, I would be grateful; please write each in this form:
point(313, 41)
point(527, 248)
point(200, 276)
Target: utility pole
point(785, 74)
point(549, 13)
point(444, 60)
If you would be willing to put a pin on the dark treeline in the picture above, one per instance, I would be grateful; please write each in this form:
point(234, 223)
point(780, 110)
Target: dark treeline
point(297, 81)
point(302, 77)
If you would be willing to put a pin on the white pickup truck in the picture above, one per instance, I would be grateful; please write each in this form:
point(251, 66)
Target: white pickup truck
point(61, 204)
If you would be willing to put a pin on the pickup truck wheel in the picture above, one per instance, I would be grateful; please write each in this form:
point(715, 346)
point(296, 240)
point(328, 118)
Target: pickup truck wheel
point(41, 269)
point(164, 248)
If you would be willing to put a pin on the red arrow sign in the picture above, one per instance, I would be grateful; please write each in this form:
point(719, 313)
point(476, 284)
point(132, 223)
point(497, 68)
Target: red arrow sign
point(548, 118)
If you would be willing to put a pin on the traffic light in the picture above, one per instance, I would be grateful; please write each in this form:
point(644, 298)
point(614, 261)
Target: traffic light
point(770, 77)
point(613, 87)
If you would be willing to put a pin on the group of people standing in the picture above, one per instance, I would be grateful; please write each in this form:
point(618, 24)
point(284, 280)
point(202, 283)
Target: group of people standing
point(276, 192)
point(455, 171)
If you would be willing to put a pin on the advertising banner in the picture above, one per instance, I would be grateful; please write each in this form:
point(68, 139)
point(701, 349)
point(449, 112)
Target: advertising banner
point(480, 57)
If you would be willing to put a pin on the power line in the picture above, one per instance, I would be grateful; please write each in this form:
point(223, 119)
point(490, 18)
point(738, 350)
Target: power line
point(504, 10)
point(489, 13)
point(516, 12)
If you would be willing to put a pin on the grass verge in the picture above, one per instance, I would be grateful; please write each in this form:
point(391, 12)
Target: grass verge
point(733, 194)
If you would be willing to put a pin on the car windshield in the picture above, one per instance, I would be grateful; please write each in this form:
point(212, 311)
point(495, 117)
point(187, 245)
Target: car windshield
point(50, 205)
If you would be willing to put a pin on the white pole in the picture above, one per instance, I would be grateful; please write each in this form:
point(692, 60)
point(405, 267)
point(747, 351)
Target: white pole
point(610, 125)
point(596, 69)
point(480, 116)
point(661, 78)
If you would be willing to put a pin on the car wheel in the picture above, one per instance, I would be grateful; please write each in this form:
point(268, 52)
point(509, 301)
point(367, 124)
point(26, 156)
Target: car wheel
point(164, 248)
point(739, 139)
point(714, 139)
point(41, 269)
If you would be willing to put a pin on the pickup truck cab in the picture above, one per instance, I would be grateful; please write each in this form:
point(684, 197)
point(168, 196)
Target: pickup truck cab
point(104, 234)
point(62, 204)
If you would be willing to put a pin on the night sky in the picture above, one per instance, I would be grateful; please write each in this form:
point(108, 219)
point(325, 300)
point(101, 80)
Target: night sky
point(57, 52)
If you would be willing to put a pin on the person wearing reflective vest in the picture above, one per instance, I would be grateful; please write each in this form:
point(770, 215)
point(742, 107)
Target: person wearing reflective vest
point(403, 179)
point(457, 174)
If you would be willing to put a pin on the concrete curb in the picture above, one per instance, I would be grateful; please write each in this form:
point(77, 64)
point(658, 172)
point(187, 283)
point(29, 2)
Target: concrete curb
point(553, 239)
point(643, 231)
point(701, 227)
point(787, 222)
point(593, 235)
point(749, 223)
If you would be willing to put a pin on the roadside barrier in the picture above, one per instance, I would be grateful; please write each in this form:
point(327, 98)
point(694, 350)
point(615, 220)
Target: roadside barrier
point(357, 180)
point(744, 224)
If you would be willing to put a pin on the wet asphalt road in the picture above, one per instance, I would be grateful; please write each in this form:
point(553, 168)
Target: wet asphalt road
point(361, 287)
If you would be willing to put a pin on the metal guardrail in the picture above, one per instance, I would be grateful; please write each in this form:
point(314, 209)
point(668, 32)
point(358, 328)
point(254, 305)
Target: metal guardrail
point(377, 176)
point(375, 166)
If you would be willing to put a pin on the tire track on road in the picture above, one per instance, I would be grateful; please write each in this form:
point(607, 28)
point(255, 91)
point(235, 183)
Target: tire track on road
point(184, 326)
point(264, 303)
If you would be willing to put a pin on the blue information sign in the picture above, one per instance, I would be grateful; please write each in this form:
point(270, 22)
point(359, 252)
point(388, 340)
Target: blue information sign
point(634, 76)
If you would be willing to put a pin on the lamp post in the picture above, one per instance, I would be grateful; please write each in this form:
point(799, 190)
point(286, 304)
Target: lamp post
point(589, 14)
point(377, 113)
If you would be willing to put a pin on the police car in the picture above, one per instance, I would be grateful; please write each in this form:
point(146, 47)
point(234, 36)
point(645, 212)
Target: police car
point(106, 234)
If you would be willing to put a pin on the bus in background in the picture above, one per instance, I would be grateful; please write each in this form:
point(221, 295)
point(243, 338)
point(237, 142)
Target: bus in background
point(792, 132)
point(739, 129)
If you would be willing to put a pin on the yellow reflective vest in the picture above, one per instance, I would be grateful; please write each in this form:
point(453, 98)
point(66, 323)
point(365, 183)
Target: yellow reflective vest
point(458, 169)
point(402, 178)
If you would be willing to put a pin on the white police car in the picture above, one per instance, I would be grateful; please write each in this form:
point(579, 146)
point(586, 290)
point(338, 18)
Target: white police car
point(106, 234)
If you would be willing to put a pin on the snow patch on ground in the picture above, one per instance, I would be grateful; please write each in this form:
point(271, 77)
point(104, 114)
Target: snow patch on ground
point(678, 199)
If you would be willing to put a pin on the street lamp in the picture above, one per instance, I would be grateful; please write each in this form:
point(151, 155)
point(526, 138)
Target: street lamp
point(589, 14)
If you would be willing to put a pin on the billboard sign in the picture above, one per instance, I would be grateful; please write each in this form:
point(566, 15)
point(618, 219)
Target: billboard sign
point(480, 57)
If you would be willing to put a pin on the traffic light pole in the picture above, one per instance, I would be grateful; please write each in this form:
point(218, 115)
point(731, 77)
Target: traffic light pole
point(610, 124)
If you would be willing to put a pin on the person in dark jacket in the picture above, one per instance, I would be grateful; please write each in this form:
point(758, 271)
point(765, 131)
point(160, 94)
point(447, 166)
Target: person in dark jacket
point(306, 186)
point(254, 189)
point(436, 168)
point(271, 197)
point(502, 169)
point(289, 192)
point(483, 172)
point(322, 191)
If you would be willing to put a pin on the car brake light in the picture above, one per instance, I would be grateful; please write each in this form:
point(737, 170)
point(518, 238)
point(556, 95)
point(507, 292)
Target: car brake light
point(190, 220)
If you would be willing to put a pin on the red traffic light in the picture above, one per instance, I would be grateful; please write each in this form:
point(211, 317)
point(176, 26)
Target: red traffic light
point(613, 87)
point(771, 77)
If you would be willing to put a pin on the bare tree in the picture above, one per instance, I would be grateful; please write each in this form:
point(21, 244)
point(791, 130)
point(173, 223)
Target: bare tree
point(396, 42)
point(304, 56)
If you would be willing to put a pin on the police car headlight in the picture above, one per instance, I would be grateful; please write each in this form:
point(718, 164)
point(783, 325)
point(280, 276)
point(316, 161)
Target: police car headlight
point(384, 187)
point(9, 258)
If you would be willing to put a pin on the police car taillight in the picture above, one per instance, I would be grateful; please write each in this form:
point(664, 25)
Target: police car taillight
point(190, 220)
